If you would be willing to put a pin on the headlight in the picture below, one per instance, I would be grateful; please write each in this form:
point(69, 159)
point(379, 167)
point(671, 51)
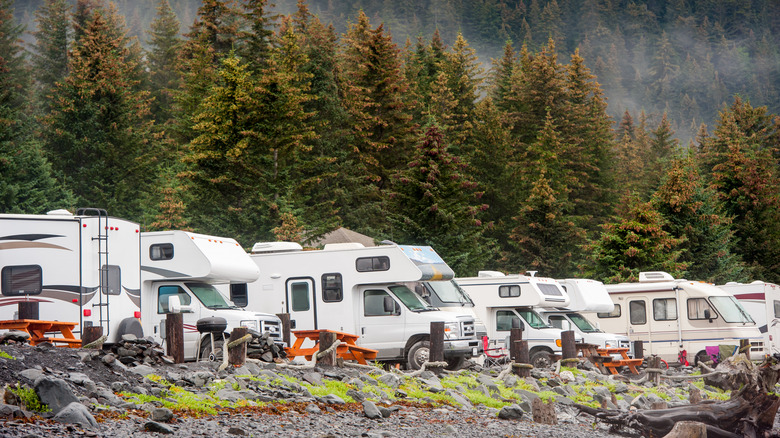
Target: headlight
point(611, 344)
point(250, 324)
point(452, 330)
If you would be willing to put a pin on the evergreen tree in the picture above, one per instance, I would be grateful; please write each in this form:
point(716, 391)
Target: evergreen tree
point(464, 78)
point(50, 58)
point(635, 243)
point(165, 44)
point(98, 131)
point(694, 215)
point(501, 76)
point(435, 204)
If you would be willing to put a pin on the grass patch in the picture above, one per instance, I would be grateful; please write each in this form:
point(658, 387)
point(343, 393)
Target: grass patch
point(29, 398)
point(330, 387)
point(5, 355)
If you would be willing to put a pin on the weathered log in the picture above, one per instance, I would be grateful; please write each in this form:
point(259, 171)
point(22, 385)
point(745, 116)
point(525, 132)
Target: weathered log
point(749, 413)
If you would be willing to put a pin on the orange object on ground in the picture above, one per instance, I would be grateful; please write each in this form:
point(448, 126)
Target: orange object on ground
point(38, 329)
point(348, 350)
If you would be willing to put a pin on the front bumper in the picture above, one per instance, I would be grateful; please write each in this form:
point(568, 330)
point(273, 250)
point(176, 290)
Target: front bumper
point(461, 348)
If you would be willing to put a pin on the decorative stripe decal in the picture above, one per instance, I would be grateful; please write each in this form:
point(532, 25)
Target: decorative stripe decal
point(30, 237)
point(755, 296)
point(165, 273)
point(15, 301)
point(24, 245)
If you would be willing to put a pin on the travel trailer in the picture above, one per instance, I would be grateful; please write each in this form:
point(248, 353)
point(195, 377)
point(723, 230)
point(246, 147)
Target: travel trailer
point(97, 270)
point(586, 297)
point(762, 302)
point(182, 272)
point(679, 319)
point(82, 268)
point(503, 302)
point(360, 290)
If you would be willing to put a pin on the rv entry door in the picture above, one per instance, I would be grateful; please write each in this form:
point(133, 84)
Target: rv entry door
point(301, 304)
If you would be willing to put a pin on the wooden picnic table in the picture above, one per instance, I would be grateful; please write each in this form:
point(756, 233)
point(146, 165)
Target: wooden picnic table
point(612, 365)
point(37, 330)
point(347, 350)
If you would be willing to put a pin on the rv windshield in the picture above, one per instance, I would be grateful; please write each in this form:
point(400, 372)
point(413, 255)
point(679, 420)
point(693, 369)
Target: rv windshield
point(210, 296)
point(730, 309)
point(450, 292)
point(582, 323)
point(410, 299)
point(532, 318)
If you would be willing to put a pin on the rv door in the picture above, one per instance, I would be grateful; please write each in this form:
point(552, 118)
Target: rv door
point(301, 304)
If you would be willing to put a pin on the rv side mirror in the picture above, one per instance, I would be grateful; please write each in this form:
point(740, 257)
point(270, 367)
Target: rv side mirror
point(391, 307)
point(175, 306)
point(708, 314)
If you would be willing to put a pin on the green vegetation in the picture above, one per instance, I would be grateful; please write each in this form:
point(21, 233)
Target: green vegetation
point(29, 398)
point(5, 355)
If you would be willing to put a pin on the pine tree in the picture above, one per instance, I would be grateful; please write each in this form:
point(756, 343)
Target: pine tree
point(98, 131)
point(694, 216)
point(501, 76)
point(50, 58)
point(165, 44)
point(636, 242)
point(434, 204)
point(464, 79)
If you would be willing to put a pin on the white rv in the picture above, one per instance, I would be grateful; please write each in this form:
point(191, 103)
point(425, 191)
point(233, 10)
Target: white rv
point(449, 297)
point(762, 301)
point(672, 317)
point(80, 268)
point(506, 301)
point(355, 289)
point(585, 298)
point(182, 272)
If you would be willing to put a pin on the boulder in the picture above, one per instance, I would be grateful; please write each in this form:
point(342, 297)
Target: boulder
point(76, 413)
point(54, 392)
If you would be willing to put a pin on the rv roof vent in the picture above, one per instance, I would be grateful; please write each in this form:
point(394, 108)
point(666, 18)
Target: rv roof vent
point(60, 212)
point(757, 282)
point(270, 247)
point(490, 274)
point(340, 246)
point(646, 277)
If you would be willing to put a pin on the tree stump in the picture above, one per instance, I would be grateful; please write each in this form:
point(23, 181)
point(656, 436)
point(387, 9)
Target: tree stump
point(91, 334)
point(237, 354)
point(688, 429)
point(174, 336)
point(326, 340)
point(544, 413)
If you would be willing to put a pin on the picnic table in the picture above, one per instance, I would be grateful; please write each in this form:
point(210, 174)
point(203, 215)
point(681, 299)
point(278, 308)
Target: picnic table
point(347, 350)
point(612, 365)
point(38, 329)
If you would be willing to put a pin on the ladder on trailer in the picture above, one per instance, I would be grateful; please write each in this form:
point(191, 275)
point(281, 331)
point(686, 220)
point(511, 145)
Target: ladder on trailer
point(102, 251)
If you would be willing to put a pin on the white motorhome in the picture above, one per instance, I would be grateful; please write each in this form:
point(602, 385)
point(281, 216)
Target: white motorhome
point(506, 301)
point(672, 317)
point(182, 272)
point(449, 297)
point(82, 268)
point(355, 289)
point(762, 301)
point(585, 298)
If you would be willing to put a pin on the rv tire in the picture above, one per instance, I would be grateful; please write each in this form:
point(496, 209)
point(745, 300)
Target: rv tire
point(541, 359)
point(129, 326)
point(455, 363)
point(701, 357)
point(418, 355)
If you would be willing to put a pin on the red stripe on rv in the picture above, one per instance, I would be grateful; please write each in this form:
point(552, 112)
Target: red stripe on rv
point(757, 296)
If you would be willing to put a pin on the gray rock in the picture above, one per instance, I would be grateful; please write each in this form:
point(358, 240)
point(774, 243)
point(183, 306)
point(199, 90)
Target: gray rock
point(640, 402)
point(390, 380)
point(510, 381)
point(386, 412)
point(237, 431)
point(526, 395)
point(370, 410)
point(199, 379)
point(313, 409)
point(142, 370)
point(356, 395)
point(459, 398)
point(434, 385)
point(10, 411)
point(76, 413)
point(564, 400)
point(153, 426)
point(230, 395)
point(14, 335)
point(511, 412)
point(488, 382)
point(332, 399)
point(621, 388)
point(54, 392)
point(164, 415)
point(31, 374)
point(565, 391)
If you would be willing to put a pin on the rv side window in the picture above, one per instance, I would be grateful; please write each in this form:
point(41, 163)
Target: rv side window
point(665, 309)
point(299, 297)
point(556, 321)
point(164, 292)
point(550, 289)
point(332, 289)
point(696, 308)
point(22, 280)
point(777, 309)
point(370, 264)
point(112, 280)
point(379, 303)
point(509, 291)
point(161, 251)
point(238, 294)
point(637, 312)
point(504, 320)
point(615, 313)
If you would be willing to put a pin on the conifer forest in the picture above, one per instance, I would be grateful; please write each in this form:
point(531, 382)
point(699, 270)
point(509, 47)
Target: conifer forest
point(576, 138)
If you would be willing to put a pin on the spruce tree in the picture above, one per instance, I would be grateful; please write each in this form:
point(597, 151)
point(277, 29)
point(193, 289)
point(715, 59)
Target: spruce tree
point(50, 58)
point(162, 56)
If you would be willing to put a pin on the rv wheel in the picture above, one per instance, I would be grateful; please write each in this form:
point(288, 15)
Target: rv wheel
point(207, 354)
point(702, 357)
point(541, 359)
point(418, 355)
point(455, 363)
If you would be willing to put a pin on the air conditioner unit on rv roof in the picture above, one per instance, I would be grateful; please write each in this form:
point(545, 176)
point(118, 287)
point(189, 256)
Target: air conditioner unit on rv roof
point(647, 277)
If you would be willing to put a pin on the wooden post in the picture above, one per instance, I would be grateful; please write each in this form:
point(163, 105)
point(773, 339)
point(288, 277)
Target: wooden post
point(326, 340)
point(569, 349)
point(654, 376)
point(518, 352)
point(285, 317)
point(237, 354)
point(744, 347)
point(174, 336)
point(28, 310)
point(639, 350)
point(91, 334)
point(515, 335)
point(437, 345)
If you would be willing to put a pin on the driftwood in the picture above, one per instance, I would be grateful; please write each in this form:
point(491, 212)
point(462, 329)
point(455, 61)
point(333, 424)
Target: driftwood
point(750, 412)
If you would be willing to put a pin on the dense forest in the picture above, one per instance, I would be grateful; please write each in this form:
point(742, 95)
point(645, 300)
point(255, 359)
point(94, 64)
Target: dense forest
point(481, 128)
